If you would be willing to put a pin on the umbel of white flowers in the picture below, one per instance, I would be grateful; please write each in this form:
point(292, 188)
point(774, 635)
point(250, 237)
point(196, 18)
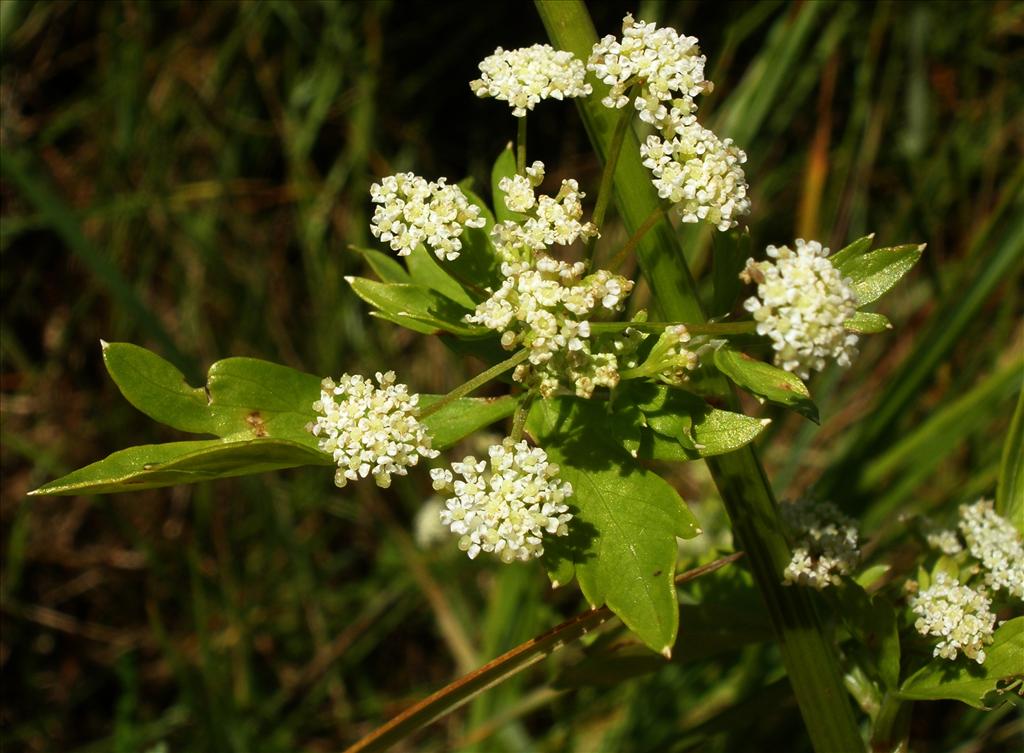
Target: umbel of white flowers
point(961, 616)
point(525, 76)
point(370, 431)
point(824, 544)
point(506, 505)
point(996, 544)
point(411, 211)
point(802, 303)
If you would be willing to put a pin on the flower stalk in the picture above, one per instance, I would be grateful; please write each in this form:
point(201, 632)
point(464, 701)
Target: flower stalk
point(474, 384)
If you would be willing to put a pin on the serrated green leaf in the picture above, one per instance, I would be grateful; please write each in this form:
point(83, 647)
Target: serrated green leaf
point(504, 167)
point(766, 381)
point(400, 302)
point(463, 417)
point(151, 466)
point(981, 686)
point(245, 398)
point(1010, 488)
point(426, 272)
point(384, 266)
point(847, 254)
point(867, 323)
point(875, 273)
point(626, 519)
point(695, 428)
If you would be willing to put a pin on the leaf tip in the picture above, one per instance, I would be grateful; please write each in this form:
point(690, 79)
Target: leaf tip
point(698, 530)
point(104, 345)
point(350, 279)
point(765, 421)
point(667, 652)
point(922, 246)
point(555, 584)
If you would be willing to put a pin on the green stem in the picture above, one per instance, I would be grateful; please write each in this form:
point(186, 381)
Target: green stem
point(604, 192)
point(807, 650)
point(475, 383)
point(892, 727)
point(713, 329)
point(521, 146)
point(634, 240)
point(519, 419)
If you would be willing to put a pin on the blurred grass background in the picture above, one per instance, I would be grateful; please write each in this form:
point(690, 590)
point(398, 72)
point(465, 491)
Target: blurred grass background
point(188, 176)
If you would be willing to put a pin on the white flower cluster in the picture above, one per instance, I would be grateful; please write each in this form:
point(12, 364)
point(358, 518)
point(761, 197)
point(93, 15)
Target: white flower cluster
point(525, 76)
point(369, 430)
point(551, 220)
point(958, 614)
point(824, 544)
point(547, 307)
point(691, 167)
point(506, 505)
point(699, 173)
point(945, 541)
point(802, 303)
point(668, 67)
point(993, 541)
point(410, 211)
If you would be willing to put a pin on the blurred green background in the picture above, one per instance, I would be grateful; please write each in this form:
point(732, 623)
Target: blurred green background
point(188, 176)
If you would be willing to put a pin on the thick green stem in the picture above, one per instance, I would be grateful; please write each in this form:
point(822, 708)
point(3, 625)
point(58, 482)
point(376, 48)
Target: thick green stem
point(892, 727)
point(604, 192)
point(475, 383)
point(519, 419)
point(807, 651)
point(521, 146)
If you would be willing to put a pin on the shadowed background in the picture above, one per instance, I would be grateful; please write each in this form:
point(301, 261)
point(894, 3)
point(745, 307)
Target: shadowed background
point(188, 176)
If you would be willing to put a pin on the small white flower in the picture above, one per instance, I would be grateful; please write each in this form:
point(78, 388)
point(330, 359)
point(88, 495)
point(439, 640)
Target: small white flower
point(668, 67)
point(427, 530)
point(993, 541)
point(699, 173)
point(525, 76)
point(824, 544)
point(411, 211)
point(945, 541)
point(958, 614)
point(505, 505)
point(547, 307)
point(802, 303)
point(369, 430)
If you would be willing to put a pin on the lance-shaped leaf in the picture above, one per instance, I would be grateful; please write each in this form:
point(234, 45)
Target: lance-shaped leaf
point(766, 381)
point(384, 266)
point(981, 686)
point(428, 273)
point(684, 427)
point(874, 274)
point(867, 323)
point(858, 248)
point(156, 465)
point(400, 302)
point(622, 540)
point(504, 167)
point(477, 260)
point(1010, 489)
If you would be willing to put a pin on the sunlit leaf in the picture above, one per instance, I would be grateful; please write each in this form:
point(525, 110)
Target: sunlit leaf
point(766, 381)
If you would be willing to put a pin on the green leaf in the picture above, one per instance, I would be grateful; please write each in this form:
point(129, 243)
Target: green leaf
point(622, 539)
point(402, 302)
point(478, 260)
point(245, 398)
point(156, 465)
point(872, 622)
point(504, 167)
point(426, 272)
point(875, 273)
point(694, 428)
point(731, 251)
point(982, 686)
point(867, 323)
point(1010, 489)
point(855, 249)
point(384, 266)
point(463, 417)
point(766, 381)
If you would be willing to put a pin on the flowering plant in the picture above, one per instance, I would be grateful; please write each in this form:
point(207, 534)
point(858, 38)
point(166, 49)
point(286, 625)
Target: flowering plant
point(597, 388)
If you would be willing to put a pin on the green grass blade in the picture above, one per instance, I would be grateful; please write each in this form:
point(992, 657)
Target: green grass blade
point(1010, 490)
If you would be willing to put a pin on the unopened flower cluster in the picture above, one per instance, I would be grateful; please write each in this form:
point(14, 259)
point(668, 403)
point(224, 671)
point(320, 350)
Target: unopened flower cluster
point(961, 616)
point(549, 221)
point(995, 543)
point(802, 304)
point(525, 76)
point(369, 430)
point(699, 173)
point(670, 359)
point(824, 544)
point(410, 211)
point(505, 505)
